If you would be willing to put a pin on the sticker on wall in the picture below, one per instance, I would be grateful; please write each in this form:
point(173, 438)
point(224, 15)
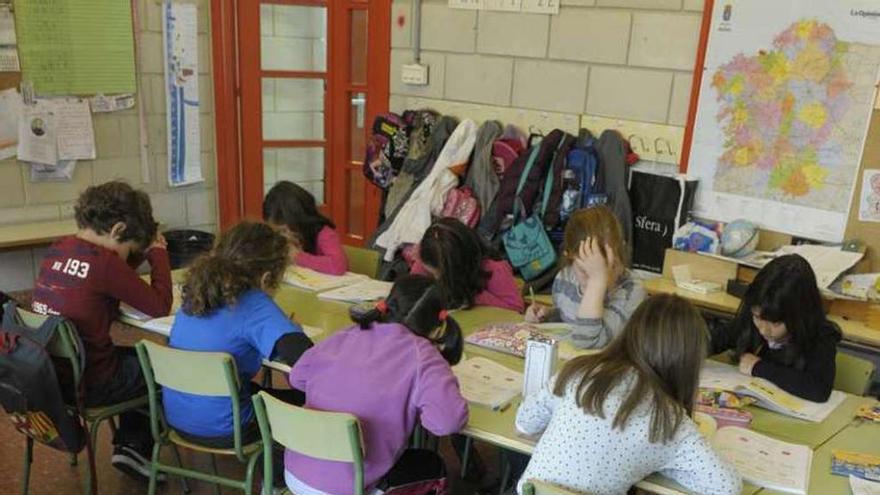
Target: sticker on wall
point(540, 6)
point(180, 43)
point(466, 4)
point(502, 5)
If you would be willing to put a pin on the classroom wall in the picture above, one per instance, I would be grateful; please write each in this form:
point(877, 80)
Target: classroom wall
point(630, 59)
point(117, 141)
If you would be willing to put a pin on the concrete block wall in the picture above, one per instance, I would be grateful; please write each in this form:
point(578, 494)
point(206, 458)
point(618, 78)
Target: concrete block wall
point(117, 140)
point(628, 59)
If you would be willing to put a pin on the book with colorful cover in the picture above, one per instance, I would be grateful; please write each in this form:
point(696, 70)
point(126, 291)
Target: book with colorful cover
point(858, 464)
point(870, 413)
point(509, 338)
point(715, 375)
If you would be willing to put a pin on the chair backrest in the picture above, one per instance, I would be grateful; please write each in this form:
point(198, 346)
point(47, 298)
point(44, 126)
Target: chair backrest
point(536, 487)
point(853, 374)
point(197, 373)
point(329, 436)
point(362, 261)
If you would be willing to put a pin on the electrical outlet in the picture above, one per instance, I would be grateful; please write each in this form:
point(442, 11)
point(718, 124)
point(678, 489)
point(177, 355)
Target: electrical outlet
point(655, 142)
point(414, 74)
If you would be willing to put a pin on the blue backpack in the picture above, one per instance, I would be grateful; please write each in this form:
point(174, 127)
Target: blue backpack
point(584, 161)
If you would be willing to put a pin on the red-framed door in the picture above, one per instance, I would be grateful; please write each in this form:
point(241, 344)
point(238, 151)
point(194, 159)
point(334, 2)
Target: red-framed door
point(307, 79)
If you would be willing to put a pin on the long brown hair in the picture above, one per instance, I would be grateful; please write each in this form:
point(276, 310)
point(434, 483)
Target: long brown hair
point(664, 344)
point(599, 223)
point(237, 264)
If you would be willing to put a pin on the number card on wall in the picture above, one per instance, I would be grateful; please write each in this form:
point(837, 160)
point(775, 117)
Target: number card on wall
point(466, 4)
point(540, 6)
point(503, 5)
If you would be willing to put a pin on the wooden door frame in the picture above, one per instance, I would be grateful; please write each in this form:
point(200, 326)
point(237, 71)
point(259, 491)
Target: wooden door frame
point(230, 121)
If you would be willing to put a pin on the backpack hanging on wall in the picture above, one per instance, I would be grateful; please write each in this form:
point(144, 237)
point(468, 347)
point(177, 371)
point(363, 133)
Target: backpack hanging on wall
point(660, 205)
point(387, 147)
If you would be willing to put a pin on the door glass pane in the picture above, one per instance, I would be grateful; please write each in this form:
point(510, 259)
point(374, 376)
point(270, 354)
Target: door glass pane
point(358, 47)
point(356, 196)
point(293, 109)
point(293, 37)
point(357, 126)
point(303, 166)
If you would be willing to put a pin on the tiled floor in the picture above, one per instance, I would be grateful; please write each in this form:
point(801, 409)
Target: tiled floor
point(51, 472)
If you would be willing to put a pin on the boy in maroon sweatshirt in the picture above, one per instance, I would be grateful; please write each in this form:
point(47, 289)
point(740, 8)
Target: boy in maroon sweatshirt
point(84, 277)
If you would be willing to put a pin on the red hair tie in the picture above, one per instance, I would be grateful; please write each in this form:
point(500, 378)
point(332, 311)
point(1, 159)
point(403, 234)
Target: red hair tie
point(443, 314)
point(382, 307)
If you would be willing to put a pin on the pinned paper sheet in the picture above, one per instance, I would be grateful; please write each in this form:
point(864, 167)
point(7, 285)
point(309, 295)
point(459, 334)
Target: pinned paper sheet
point(869, 204)
point(180, 27)
point(73, 125)
point(8, 45)
point(63, 172)
point(104, 104)
point(36, 137)
point(10, 113)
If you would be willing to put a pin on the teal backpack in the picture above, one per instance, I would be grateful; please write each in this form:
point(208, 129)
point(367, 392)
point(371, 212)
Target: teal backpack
point(527, 245)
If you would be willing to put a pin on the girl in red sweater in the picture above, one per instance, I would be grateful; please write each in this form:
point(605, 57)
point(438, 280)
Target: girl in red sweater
point(291, 208)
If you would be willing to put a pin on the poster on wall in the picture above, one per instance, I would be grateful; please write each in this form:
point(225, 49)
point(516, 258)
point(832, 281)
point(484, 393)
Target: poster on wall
point(869, 203)
point(783, 113)
point(179, 21)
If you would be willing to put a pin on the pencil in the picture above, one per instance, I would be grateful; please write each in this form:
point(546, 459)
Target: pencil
point(532, 294)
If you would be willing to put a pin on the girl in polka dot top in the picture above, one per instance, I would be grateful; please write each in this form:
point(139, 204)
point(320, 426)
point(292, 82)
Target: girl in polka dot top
point(609, 420)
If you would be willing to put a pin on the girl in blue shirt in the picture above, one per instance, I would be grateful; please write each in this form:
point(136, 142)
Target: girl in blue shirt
point(227, 307)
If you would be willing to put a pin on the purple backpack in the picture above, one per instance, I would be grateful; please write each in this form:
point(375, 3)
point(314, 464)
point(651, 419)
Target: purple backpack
point(386, 149)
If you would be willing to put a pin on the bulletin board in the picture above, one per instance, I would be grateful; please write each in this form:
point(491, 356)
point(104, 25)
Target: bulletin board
point(866, 232)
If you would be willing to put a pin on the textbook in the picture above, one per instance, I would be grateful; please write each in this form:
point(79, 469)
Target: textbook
point(721, 376)
point(509, 338)
point(161, 325)
point(765, 461)
point(487, 383)
point(858, 464)
point(307, 279)
point(363, 291)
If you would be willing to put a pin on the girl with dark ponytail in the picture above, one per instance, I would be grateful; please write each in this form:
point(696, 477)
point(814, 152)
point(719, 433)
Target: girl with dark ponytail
point(227, 307)
point(390, 370)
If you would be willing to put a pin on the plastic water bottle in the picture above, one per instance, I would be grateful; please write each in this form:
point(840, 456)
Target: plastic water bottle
point(571, 194)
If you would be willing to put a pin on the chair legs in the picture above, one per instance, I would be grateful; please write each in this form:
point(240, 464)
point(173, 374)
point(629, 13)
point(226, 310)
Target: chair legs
point(183, 483)
point(154, 468)
point(214, 472)
point(28, 459)
point(91, 475)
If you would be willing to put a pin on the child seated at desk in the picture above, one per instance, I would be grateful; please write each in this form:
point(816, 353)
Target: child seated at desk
point(84, 277)
point(293, 209)
point(468, 270)
point(391, 371)
point(611, 419)
point(781, 333)
point(593, 292)
point(227, 307)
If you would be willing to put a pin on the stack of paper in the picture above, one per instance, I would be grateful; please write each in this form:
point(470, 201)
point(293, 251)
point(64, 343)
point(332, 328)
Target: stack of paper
point(487, 383)
point(305, 278)
point(364, 291)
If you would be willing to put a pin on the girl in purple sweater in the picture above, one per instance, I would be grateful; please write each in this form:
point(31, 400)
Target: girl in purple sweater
point(293, 209)
point(390, 371)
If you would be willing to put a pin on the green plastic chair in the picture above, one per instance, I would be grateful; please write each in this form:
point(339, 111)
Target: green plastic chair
point(536, 487)
point(197, 373)
point(63, 346)
point(853, 374)
point(329, 436)
point(363, 261)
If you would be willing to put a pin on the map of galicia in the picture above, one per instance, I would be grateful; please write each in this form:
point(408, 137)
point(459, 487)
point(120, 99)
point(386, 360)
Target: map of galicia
point(793, 116)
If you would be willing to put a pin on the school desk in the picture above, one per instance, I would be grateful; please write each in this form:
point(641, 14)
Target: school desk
point(34, 233)
point(860, 436)
point(722, 302)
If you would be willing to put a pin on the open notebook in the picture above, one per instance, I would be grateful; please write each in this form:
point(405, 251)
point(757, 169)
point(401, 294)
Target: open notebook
point(363, 291)
point(305, 278)
point(487, 383)
point(765, 461)
point(725, 377)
